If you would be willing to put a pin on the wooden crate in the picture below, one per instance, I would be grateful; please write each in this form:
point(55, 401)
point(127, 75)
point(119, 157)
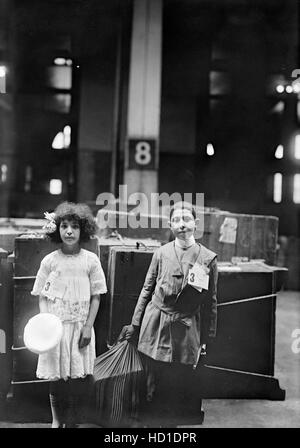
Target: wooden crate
point(255, 236)
point(127, 270)
point(105, 245)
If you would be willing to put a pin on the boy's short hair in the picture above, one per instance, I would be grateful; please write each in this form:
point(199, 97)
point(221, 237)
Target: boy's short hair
point(79, 213)
point(183, 205)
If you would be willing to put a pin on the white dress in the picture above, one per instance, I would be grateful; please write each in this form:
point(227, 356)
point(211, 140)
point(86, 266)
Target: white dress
point(83, 277)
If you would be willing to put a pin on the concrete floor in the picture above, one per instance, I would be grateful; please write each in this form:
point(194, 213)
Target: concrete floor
point(254, 413)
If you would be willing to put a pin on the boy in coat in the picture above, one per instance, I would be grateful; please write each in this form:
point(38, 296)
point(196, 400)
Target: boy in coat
point(175, 317)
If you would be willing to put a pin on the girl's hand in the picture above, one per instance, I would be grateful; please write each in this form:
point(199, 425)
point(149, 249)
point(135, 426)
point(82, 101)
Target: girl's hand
point(85, 336)
point(43, 305)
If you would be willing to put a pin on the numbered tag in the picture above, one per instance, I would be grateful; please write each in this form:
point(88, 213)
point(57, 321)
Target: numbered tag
point(198, 278)
point(54, 287)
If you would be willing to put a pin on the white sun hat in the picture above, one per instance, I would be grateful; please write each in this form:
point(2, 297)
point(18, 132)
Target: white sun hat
point(42, 333)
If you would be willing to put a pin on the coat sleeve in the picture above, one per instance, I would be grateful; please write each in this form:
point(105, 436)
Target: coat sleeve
point(147, 291)
point(209, 317)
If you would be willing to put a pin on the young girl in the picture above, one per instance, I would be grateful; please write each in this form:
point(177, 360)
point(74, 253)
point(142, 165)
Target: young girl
point(69, 283)
point(175, 317)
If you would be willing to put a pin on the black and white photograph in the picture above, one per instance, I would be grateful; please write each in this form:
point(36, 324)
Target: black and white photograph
point(149, 217)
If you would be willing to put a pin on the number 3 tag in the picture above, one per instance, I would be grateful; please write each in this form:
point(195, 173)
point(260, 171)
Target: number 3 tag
point(198, 277)
point(54, 287)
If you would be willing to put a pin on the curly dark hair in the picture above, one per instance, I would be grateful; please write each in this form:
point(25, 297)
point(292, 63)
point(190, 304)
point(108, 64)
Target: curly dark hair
point(79, 213)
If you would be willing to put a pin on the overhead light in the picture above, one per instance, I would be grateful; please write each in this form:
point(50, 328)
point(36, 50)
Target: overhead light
point(296, 87)
point(3, 71)
point(289, 89)
point(210, 149)
point(67, 136)
point(55, 186)
point(63, 61)
point(279, 152)
point(280, 88)
point(62, 140)
point(58, 141)
point(60, 61)
point(67, 130)
point(296, 190)
point(277, 188)
point(297, 147)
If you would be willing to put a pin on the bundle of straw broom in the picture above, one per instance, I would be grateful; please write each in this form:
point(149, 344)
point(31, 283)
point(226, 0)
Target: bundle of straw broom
point(118, 375)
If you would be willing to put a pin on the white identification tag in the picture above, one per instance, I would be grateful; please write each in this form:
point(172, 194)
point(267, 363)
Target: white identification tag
point(198, 278)
point(54, 287)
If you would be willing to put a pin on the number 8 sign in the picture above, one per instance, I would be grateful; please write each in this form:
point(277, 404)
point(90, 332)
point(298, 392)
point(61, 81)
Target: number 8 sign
point(141, 154)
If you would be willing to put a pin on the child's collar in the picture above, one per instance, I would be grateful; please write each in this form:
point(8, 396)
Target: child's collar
point(185, 244)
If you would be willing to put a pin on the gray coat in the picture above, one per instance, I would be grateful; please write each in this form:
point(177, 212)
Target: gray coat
point(174, 318)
